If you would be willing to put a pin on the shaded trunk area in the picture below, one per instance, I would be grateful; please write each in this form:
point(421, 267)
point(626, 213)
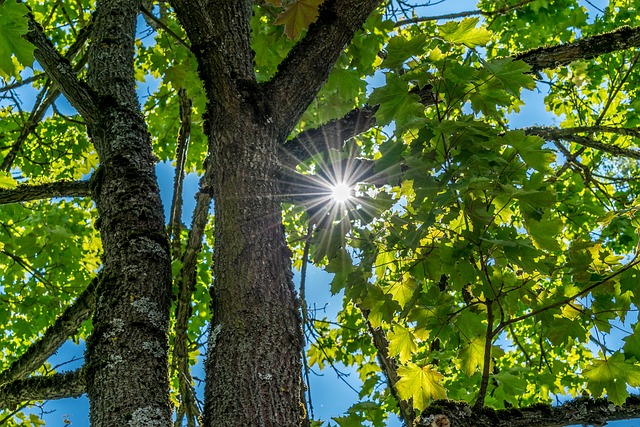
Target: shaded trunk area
point(253, 368)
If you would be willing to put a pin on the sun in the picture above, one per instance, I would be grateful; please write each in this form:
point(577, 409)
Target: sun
point(341, 192)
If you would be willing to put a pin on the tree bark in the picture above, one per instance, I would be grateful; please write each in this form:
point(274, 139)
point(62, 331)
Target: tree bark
point(126, 358)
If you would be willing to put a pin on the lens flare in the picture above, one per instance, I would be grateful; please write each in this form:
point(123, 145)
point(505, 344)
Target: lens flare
point(341, 192)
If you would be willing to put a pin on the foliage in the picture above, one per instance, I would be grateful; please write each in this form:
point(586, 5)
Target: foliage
point(499, 267)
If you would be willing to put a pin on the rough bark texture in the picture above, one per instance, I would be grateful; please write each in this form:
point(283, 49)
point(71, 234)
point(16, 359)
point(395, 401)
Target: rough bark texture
point(583, 411)
point(127, 368)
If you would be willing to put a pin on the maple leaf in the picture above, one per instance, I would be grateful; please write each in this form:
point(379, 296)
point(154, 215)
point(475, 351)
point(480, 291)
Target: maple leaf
point(421, 383)
point(298, 16)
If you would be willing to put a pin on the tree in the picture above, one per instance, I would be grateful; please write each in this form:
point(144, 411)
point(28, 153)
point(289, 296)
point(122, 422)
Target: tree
point(480, 263)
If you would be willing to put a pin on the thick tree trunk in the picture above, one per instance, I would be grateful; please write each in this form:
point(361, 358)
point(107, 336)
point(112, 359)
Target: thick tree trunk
point(253, 368)
point(127, 369)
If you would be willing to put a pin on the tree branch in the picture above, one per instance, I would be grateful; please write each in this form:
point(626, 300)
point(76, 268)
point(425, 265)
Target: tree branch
point(583, 411)
point(65, 326)
point(389, 369)
point(355, 122)
point(175, 220)
point(186, 286)
point(60, 71)
point(586, 48)
point(330, 136)
point(25, 193)
point(307, 66)
point(56, 386)
point(40, 107)
point(22, 82)
point(465, 14)
point(571, 134)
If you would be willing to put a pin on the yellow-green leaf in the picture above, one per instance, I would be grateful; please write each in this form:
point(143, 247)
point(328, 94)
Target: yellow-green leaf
point(465, 32)
point(402, 291)
point(6, 181)
point(472, 356)
point(402, 343)
point(298, 16)
point(422, 383)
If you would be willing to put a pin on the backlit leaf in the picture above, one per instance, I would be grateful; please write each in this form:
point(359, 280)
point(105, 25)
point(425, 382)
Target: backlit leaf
point(422, 383)
point(401, 343)
point(465, 32)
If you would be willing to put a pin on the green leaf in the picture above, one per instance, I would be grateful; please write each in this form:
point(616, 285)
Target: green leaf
point(544, 232)
point(396, 103)
point(514, 75)
point(400, 49)
point(530, 149)
point(402, 343)
point(465, 32)
point(472, 356)
point(613, 375)
point(13, 25)
point(422, 383)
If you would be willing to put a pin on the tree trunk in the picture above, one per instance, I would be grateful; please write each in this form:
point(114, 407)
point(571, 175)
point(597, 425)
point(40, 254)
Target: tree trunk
point(253, 368)
point(127, 369)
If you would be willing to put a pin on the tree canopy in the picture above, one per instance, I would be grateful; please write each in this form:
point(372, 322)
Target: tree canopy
point(488, 270)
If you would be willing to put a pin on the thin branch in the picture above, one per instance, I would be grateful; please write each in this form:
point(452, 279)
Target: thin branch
point(305, 315)
point(486, 367)
point(25, 193)
point(40, 107)
point(635, 261)
point(182, 145)
point(65, 326)
point(186, 286)
point(571, 135)
point(56, 386)
point(468, 13)
point(22, 82)
point(306, 68)
point(162, 25)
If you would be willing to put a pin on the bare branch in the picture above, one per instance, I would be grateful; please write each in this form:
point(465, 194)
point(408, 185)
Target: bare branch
point(307, 66)
point(586, 48)
point(25, 193)
point(582, 411)
point(162, 25)
point(22, 82)
point(65, 326)
point(60, 71)
point(182, 145)
point(571, 134)
point(39, 109)
point(186, 286)
point(56, 386)
point(466, 14)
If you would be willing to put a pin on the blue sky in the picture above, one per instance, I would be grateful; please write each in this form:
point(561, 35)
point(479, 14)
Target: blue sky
point(330, 395)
